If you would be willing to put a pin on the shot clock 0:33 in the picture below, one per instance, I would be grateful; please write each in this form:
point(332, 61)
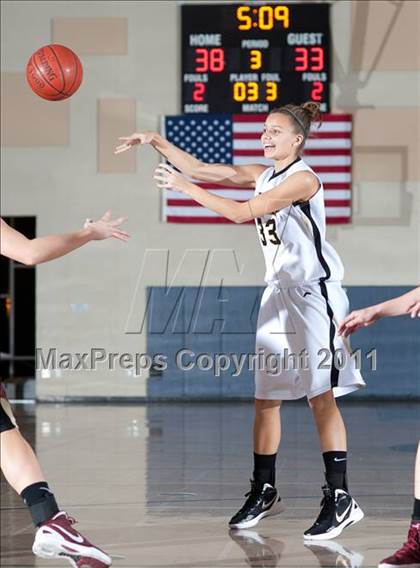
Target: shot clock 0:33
point(250, 58)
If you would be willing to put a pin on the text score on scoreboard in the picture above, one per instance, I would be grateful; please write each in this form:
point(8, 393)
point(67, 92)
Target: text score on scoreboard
point(239, 58)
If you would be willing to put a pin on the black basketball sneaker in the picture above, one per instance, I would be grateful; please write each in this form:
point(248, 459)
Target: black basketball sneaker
point(262, 501)
point(338, 511)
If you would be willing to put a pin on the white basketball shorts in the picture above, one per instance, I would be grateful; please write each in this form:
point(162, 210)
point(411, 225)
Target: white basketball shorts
point(300, 353)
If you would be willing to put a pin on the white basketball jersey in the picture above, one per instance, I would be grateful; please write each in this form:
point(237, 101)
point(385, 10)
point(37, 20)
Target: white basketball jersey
point(293, 239)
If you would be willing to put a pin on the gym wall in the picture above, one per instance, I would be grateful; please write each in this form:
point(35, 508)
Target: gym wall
point(58, 164)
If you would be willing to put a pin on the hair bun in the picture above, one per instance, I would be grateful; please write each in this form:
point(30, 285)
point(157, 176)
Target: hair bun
point(313, 110)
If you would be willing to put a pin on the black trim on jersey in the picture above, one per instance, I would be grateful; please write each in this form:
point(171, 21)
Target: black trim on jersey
point(306, 208)
point(334, 372)
point(276, 174)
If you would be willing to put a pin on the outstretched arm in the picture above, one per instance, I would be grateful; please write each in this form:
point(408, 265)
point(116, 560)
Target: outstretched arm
point(298, 187)
point(223, 174)
point(406, 304)
point(16, 246)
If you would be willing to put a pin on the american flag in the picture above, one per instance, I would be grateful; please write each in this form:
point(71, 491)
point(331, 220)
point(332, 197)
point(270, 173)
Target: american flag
point(235, 139)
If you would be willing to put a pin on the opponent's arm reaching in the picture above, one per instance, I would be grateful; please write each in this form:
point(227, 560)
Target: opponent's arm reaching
point(223, 174)
point(16, 246)
point(403, 305)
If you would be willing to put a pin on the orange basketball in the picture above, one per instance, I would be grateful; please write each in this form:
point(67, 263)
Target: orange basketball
point(54, 72)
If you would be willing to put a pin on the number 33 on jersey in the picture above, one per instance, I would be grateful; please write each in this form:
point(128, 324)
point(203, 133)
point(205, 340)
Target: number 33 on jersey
point(267, 231)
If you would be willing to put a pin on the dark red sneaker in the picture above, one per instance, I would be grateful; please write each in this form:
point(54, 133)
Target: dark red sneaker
point(408, 556)
point(58, 539)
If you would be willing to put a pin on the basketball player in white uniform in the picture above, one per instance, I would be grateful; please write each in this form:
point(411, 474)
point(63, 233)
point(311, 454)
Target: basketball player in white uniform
point(299, 309)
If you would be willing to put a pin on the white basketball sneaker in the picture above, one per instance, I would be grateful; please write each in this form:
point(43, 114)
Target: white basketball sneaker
point(56, 538)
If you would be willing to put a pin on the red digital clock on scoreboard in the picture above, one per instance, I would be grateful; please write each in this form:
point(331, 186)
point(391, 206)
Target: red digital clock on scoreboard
point(253, 57)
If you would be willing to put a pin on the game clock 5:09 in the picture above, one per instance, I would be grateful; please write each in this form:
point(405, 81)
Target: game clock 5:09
point(253, 57)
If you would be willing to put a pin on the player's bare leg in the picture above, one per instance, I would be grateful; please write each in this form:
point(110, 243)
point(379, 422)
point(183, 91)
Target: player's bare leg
point(19, 464)
point(267, 426)
point(329, 422)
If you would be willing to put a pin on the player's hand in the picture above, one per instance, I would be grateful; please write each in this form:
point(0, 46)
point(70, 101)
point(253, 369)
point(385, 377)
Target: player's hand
point(414, 310)
point(133, 140)
point(167, 177)
point(358, 319)
point(106, 227)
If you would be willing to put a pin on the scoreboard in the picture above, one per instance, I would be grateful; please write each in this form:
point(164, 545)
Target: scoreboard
point(251, 57)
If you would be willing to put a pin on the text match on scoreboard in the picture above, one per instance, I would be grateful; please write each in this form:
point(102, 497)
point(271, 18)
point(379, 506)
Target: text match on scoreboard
point(239, 58)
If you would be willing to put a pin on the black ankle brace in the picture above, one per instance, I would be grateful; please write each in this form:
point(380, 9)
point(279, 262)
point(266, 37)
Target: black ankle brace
point(43, 510)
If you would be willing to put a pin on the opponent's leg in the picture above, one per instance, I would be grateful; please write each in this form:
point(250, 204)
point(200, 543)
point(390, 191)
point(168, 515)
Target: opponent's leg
point(18, 462)
point(263, 499)
point(338, 508)
point(55, 537)
point(409, 554)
